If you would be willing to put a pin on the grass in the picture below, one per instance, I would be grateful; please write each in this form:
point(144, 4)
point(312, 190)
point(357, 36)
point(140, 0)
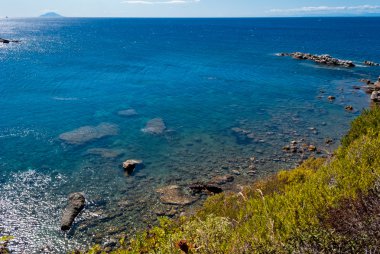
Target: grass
point(324, 206)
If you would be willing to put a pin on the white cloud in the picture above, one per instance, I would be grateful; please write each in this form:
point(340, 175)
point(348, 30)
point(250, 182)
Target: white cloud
point(323, 9)
point(151, 2)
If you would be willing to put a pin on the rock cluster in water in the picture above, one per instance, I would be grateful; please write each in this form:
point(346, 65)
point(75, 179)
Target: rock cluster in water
point(8, 41)
point(321, 59)
point(373, 88)
point(155, 126)
point(370, 63)
point(86, 134)
point(74, 207)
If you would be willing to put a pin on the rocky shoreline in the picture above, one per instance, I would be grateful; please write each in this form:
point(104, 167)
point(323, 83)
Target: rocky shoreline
point(180, 196)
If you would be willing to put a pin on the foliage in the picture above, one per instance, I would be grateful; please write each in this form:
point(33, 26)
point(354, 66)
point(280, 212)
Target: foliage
point(368, 120)
point(4, 241)
point(323, 206)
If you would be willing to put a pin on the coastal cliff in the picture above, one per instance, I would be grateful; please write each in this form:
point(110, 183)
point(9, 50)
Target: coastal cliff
point(326, 205)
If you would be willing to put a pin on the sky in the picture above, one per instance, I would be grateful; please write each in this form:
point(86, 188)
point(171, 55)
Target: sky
point(190, 8)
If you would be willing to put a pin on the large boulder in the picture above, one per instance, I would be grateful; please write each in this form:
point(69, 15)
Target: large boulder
point(155, 126)
point(130, 165)
point(375, 96)
point(86, 134)
point(74, 207)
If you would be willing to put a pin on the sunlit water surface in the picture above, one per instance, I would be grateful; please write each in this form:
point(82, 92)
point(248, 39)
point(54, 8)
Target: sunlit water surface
point(202, 77)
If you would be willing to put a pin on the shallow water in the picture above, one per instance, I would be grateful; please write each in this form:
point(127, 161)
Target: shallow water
point(202, 77)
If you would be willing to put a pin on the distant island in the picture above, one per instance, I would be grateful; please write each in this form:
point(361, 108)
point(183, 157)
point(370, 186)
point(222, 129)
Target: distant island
point(51, 15)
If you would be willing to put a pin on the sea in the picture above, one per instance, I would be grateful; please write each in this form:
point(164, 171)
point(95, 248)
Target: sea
point(221, 100)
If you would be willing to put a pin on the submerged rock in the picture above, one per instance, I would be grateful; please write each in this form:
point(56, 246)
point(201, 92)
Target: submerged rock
point(222, 179)
point(74, 207)
point(86, 134)
point(127, 112)
point(155, 126)
point(175, 195)
point(105, 153)
point(130, 165)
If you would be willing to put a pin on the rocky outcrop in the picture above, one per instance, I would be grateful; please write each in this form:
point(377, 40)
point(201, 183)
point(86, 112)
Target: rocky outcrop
point(74, 207)
point(371, 86)
point(175, 195)
point(220, 180)
point(320, 59)
point(130, 165)
point(208, 187)
point(212, 186)
point(8, 41)
point(86, 134)
point(375, 96)
point(370, 63)
point(155, 126)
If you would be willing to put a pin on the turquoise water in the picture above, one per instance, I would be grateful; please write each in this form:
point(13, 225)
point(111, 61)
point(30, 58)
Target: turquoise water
point(202, 77)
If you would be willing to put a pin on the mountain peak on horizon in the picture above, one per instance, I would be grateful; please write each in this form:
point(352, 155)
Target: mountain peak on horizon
point(51, 15)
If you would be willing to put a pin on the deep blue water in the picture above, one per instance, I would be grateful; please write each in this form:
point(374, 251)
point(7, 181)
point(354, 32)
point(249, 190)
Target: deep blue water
point(203, 77)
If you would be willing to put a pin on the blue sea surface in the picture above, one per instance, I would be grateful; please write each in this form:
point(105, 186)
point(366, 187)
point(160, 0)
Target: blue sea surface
point(211, 81)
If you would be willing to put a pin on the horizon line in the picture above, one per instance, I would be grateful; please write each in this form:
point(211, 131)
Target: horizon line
point(192, 17)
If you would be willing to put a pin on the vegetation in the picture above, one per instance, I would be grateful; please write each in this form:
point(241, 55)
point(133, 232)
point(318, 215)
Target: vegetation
point(4, 241)
point(324, 206)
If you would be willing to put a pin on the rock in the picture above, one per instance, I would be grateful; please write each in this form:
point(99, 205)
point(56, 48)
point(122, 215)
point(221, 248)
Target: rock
point(312, 148)
point(370, 63)
point(236, 172)
point(155, 126)
point(86, 134)
point(4, 41)
point(130, 165)
point(349, 108)
point(320, 59)
point(375, 96)
point(240, 131)
point(328, 141)
point(169, 212)
point(175, 195)
point(8, 41)
point(366, 81)
point(331, 98)
point(74, 207)
point(127, 112)
point(222, 179)
point(105, 153)
point(213, 188)
point(356, 87)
